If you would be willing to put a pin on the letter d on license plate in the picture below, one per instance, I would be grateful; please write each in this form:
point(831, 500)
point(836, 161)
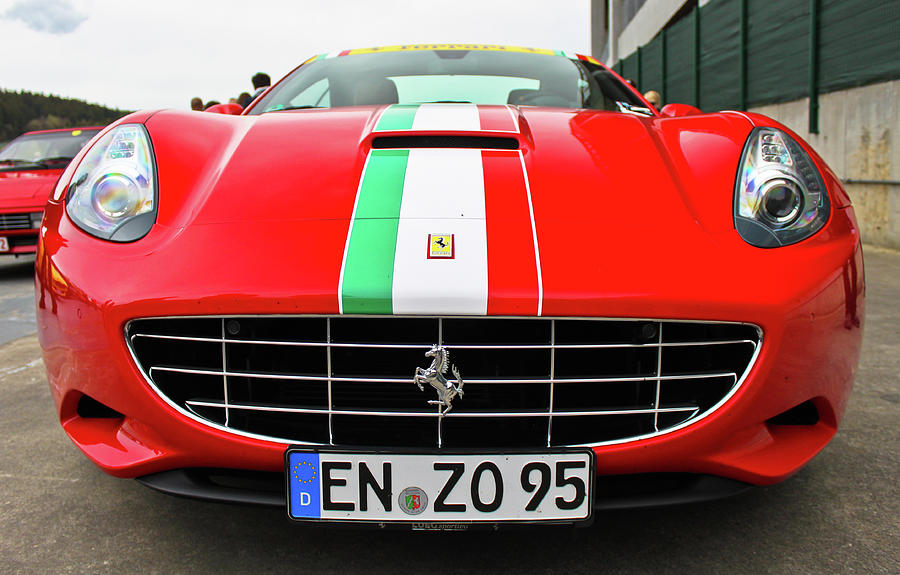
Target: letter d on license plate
point(441, 487)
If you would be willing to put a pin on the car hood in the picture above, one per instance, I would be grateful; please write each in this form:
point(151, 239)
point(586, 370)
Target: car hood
point(620, 172)
point(588, 199)
point(25, 188)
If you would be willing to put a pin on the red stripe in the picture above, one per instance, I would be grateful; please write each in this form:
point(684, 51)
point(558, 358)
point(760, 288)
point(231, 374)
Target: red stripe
point(496, 118)
point(344, 53)
point(512, 271)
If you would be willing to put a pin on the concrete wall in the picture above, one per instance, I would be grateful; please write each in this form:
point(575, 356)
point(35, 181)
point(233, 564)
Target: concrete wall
point(858, 139)
point(646, 24)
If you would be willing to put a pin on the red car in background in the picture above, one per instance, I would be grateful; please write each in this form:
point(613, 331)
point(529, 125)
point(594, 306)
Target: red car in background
point(29, 168)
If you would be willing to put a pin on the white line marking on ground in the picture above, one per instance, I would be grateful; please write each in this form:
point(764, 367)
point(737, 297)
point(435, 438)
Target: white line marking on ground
point(11, 370)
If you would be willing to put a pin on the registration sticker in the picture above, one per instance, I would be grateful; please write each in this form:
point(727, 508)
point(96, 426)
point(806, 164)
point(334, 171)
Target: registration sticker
point(439, 487)
point(4, 244)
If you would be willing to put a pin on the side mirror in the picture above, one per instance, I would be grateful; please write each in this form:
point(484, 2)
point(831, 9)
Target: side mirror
point(231, 109)
point(679, 110)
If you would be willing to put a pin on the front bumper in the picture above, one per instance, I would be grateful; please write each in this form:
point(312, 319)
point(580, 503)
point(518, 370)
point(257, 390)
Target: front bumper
point(812, 326)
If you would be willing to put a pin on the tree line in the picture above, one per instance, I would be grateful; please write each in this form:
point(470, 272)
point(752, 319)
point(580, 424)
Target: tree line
point(25, 111)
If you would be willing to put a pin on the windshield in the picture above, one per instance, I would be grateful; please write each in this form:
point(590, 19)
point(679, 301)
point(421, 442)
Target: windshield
point(50, 149)
point(520, 77)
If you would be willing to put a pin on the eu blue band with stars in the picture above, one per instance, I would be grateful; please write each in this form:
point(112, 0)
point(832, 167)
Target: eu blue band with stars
point(304, 475)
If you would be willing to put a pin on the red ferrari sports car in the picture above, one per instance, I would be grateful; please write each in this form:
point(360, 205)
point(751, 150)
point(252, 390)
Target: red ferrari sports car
point(29, 168)
point(447, 285)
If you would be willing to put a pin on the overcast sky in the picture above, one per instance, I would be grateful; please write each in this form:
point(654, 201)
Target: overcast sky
point(160, 53)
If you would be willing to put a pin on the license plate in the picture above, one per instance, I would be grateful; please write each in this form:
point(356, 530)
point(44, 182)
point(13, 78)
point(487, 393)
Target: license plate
point(436, 488)
point(4, 245)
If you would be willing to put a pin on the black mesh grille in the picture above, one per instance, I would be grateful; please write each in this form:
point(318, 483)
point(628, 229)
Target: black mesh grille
point(528, 382)
point(15, 222)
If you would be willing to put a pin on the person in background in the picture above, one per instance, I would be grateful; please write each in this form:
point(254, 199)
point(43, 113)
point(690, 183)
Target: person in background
point(211, 103)
point(244, 99)
point(196, 104)
point(654, 98)
point(261, 81)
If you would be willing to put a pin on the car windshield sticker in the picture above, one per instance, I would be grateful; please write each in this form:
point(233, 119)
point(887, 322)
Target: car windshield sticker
point(478, 47)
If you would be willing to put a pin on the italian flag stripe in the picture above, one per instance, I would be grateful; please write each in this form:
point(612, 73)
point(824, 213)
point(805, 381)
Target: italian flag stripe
point(368, 267)
point(498, 119)
point(447, 117)
point(479, 197)
point(513, 280)
point(397, 117)
point(443, 194)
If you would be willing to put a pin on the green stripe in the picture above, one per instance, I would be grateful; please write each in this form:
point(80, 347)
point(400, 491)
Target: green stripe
point(397, 117)
point(369, 264)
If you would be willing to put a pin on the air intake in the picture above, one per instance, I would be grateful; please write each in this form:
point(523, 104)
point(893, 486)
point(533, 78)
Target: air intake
point(529, 382)
point(476, 142)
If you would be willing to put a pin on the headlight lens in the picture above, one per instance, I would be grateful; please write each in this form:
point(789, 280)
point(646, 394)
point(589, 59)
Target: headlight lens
point(780, 198)
point(113, 192)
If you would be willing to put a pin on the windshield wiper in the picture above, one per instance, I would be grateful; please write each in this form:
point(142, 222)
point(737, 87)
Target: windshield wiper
point(15, 164)
point(53, 160)
point(283, 108)
point(628, 108)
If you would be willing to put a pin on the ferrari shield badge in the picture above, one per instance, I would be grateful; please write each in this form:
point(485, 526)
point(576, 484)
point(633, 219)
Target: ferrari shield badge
point(440, 246)
point(433, 375)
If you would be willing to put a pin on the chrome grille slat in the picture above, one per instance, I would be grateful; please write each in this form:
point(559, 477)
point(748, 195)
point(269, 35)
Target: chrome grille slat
point(408, 379)
point(538, 382)
point(330, 375)
point(455, 415)
point(426, 347)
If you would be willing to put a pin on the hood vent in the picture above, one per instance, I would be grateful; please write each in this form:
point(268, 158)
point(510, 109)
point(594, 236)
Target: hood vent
point(445, 141)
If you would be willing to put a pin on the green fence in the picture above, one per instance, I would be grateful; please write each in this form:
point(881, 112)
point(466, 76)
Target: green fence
point(734, 54)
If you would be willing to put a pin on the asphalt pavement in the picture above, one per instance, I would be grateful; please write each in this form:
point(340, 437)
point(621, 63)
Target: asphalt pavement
point(60, 514)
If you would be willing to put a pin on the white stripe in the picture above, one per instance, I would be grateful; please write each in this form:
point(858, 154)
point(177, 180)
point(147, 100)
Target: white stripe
point(515, 118)
point(537, 252)
point(443, 193)
point(445, 117)
point(349, 231)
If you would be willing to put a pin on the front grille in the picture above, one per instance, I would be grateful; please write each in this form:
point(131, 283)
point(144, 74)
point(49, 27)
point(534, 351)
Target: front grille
point(528, 382)
point(15, 222)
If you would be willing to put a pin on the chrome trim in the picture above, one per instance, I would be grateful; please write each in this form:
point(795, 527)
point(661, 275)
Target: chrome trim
point(224, 373)
point(757, 346)
point(427, 347)
point(659, 379)
point(250, 375)
point(330, 376)
point(431, 414)
point(552, 377)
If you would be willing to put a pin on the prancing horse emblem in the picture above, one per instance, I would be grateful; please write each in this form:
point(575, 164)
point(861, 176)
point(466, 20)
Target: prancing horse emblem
point(434, 376)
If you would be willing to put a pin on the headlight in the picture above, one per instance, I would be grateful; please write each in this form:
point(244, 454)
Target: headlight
point(780, 198)
point(113, 192)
